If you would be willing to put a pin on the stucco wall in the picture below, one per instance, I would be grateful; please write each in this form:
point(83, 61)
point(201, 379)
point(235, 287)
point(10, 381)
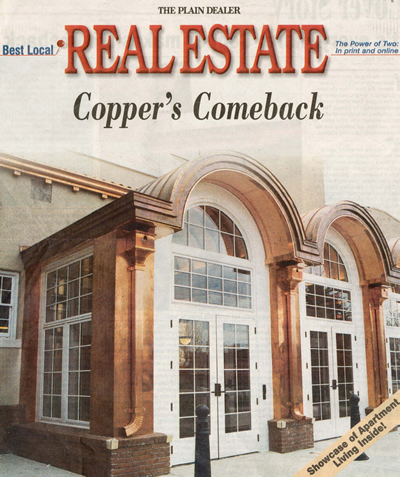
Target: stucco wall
point(10, 364)
point(25, 221)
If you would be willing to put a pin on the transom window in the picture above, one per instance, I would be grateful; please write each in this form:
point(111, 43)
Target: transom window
point(206, 282)
point(208, 228)
point(67, 343)
point(333, 266)
point(328, 302)
point(8, 294)
point(395, 287)
point(393, 313)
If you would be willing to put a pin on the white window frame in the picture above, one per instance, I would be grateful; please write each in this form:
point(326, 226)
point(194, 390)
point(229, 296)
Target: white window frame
point(65, 323)
point(331, 282)
point(218, 258)
point(8, 340)
point(390, 332)
point(354, 327)
point(222, 264)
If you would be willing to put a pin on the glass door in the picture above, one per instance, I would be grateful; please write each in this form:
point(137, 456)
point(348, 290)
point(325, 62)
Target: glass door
point(237, 381)
point(329, 379)
point(217, 367)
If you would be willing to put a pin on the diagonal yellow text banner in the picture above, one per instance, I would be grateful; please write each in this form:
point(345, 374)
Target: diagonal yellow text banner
point(356, 441)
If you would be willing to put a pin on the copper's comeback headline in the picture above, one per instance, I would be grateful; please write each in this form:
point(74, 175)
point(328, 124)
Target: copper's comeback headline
point(233, 49)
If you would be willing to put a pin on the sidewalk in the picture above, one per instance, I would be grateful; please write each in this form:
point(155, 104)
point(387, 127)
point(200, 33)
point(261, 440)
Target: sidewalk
point(14, 466)
point(384, 461)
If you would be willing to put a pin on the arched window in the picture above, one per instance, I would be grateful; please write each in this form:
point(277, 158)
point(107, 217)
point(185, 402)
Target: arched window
point(331, 302)
point(392, 315)
point(333, 266)
point(218, 282)
point(326, 301)
point(208, 228)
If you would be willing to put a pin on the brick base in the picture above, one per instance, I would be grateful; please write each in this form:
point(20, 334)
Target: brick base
point(287, 435)
point(9, 415)
point(93, 456)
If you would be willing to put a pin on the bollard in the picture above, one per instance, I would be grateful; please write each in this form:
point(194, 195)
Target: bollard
point(202, 467)
point(355, 418)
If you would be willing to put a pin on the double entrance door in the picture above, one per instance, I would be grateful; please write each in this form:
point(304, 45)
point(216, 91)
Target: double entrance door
point(329, 376)
point(217, 367)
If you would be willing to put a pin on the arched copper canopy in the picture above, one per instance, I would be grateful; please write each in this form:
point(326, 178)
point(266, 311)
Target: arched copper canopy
point(362, 233)
point(287, 237)
point(395, 249)
point(256, 187)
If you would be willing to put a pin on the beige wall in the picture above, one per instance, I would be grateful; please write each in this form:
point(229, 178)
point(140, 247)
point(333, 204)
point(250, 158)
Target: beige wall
point(25, 221)
point(10, 364)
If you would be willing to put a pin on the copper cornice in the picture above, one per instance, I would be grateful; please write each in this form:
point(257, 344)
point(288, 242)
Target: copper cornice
point(132, 207)
point(73, 179)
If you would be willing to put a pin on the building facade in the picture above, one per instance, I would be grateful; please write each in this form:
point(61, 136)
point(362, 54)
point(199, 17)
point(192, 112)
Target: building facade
point(205, 286)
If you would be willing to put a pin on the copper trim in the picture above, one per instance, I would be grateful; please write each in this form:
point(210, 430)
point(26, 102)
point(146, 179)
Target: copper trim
point(137, 255)
point(73, 179)
point(290, 277)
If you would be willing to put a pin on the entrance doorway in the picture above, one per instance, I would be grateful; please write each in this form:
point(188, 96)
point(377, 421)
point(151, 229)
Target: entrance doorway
point(217, 367)
point(329, 377)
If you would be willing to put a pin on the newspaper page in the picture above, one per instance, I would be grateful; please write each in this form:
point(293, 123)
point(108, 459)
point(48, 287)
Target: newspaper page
point(241, 126)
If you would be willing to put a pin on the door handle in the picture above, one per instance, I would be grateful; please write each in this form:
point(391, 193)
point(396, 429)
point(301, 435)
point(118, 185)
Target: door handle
point(217, 390)
point(264, 391)
point(334, 384)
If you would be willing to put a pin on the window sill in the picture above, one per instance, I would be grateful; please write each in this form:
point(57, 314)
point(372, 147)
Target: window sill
point(69, 425)
point(10, 343)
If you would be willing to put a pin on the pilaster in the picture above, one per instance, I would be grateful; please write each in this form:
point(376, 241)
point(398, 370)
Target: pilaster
point(374, 321)
point(286, 342)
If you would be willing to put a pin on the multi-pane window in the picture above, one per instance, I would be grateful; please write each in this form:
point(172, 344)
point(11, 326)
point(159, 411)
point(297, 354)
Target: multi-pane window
point(67, 342)
point(237, 378)
point(394, 347)
point(393, 313)
point(320, 375)
point(206, 282)
point(328, 302)
point(194, 373)
point(8, 292)
point(395, 287)
point(79, 371)
point(208, 228)
point(52, 372)
point(333, 266)
point(69, 290)
point(344, 372)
